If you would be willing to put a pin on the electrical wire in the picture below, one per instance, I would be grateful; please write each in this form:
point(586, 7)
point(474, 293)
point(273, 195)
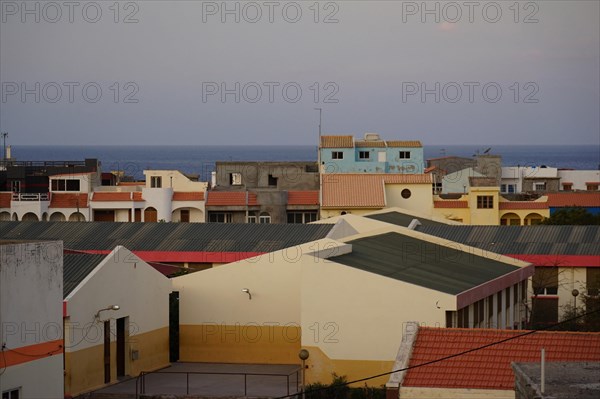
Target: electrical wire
point(443, 358)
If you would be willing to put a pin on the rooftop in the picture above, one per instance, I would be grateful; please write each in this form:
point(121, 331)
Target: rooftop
point(556, 200)
point(231, 198)
point(422, 263)
point(76, 267)
point(489, 368)
point(403, 219)
point(170, 242)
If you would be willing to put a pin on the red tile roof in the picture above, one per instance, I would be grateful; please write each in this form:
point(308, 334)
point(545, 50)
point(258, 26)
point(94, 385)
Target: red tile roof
point(188, 196)
point(489, 368)
point(70, 200)
point(523, 205)
point(230, 198)
point(593, 183)
point(5, 199)
point(117, 196)
point(450, 204)
point(557, 200)
point(404, 143)
point(308, 197)
point(132, 183)
point(364, 190)
point(337, 142)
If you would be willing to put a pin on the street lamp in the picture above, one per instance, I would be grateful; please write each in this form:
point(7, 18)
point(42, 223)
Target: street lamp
point(303, 355)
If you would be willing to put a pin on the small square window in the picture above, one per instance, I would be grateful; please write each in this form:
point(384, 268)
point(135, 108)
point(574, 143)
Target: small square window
point(567, 186)
point(235, 179)
point(404, 154)
point(337, 155)
point(364, 155)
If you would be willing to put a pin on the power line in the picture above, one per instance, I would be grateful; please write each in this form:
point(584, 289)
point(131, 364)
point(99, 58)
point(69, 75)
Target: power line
point(445, 357)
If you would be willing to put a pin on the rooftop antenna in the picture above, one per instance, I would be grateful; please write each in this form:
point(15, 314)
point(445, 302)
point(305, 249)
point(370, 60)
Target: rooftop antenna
point(4, 135)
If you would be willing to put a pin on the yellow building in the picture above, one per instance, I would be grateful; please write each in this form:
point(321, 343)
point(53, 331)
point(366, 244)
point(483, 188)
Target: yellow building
point(485, 206)
point(344, 193)
point(344, 298)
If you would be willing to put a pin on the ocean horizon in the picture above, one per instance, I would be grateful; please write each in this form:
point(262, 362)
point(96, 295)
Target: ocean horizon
point(200, 159)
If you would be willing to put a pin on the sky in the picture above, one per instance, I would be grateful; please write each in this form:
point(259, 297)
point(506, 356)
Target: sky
point(254, 73)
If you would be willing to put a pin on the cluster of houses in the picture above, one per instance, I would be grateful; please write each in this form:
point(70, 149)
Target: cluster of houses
point(361, 259)
point(351, 175)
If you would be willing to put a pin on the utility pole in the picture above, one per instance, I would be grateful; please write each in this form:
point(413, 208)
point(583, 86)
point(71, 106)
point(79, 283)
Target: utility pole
point(319, 162)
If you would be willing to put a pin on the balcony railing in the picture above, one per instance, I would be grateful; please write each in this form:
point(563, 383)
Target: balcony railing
point(31, 197)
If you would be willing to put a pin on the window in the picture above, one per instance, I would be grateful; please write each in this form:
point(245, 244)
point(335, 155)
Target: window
point(251, 219)
point(272, 181)
point(545, 281)
point(567, 186)
point(405, 193)
point(337, 155)
point(485, 202)
point(219, 217)
point(11, 394)
point(381, 156)
point(264, 218)
point(184, 216)
point(155, 181)
point(65, 185)
point(591, 186)
point(364, 155)
point(16, 186)
point(301, 217)
point(539, 186)
point(592, 281)
point(508, 188)
point(404, 154)
point(235, 179)
point(437, 188)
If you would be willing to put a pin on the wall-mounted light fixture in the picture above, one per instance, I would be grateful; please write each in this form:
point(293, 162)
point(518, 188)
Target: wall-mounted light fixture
point(247, 291)
point(111, 307)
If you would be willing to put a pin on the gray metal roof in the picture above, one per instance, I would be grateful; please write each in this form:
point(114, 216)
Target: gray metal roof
point(523, 240)
point(76, 267)
point(422, 263)
point(403, 219)
point(177, 237)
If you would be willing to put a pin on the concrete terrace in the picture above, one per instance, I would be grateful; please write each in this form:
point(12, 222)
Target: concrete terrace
point(220, 380)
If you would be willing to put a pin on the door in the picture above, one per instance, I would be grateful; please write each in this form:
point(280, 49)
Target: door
point(106, 352)
point(121, 330)
point(174, 326)
point(104, 215)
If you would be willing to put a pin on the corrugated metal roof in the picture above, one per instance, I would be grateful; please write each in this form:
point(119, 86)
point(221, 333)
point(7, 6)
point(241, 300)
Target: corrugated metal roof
point(173, 237)
point(422, 263)
point(76, 267)
point(538, 240)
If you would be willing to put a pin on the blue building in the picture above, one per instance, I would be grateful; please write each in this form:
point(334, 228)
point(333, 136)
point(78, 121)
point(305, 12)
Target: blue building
point(345, 154)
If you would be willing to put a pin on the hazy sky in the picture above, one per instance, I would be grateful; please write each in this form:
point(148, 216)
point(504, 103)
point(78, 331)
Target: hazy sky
point(186, 72)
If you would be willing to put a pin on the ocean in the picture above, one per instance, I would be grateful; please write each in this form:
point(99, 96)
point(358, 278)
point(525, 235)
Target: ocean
point(200, 160)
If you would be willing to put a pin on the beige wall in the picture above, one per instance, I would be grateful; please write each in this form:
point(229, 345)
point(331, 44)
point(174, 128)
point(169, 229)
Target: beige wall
point(420, 200)
point(143, 296)
point(175, 179)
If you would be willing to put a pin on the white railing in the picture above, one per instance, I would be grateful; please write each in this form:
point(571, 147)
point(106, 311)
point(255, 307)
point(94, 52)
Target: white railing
point(31, 197)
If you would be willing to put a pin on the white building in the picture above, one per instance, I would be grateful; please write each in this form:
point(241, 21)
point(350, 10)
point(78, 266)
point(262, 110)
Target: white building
point(31, 287)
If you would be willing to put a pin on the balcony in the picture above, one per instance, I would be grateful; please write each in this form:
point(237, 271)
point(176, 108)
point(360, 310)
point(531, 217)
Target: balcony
point(31, 197)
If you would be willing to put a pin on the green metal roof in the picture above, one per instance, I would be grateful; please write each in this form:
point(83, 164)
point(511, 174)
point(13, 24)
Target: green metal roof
point(422, 263)
point(194, 237)
point(403, 219)
point(76, 267)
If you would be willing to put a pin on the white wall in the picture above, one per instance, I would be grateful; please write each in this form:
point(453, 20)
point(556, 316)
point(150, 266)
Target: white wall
point(121, 279)
point(579, 177)
point(31, 282)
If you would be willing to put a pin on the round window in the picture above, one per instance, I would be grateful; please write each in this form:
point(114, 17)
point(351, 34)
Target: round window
point(406, 193)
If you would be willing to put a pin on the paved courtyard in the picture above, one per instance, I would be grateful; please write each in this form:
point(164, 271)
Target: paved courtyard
point(216, 379)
